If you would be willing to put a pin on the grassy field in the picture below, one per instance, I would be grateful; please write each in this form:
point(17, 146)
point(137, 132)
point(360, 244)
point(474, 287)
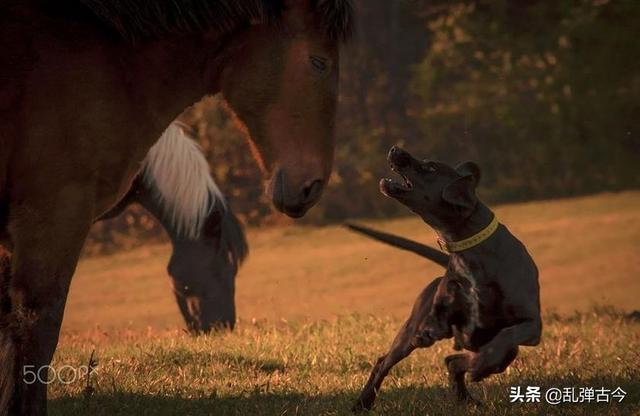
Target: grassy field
point(318, 305)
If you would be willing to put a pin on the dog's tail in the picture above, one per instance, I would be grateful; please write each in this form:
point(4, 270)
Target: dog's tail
point(420, 249)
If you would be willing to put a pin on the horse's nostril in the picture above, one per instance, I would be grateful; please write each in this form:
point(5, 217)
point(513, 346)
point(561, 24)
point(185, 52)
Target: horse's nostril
point(312, 191)
point(294, 200)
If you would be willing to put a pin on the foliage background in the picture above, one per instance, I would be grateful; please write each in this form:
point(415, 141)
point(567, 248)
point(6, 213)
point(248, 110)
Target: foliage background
point(544, 95)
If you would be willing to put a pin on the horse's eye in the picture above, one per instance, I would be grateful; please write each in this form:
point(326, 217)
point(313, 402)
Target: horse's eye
point(320, 64)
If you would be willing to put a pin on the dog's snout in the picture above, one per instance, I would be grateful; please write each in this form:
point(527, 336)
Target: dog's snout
point(398, 157)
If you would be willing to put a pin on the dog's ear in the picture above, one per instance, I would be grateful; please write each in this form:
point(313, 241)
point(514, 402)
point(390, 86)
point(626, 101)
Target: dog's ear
point(470, 168)
point(461, 194)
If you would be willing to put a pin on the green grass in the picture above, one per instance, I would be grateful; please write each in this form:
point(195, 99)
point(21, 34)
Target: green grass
point(317, 368)
point(317, 306)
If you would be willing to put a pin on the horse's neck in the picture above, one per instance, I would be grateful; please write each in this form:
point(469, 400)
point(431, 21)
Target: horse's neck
point(145, 196)
point(169, 76)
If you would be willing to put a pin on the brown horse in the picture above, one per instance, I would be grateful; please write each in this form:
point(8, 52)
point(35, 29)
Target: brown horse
point(87, 86)
point(208, 241)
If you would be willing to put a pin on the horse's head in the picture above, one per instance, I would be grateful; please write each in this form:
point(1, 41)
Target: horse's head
point(204, 273)
point(281, 80)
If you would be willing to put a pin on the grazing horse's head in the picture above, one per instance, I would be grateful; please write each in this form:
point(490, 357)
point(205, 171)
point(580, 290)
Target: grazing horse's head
point(204, 283)
point(281, 80)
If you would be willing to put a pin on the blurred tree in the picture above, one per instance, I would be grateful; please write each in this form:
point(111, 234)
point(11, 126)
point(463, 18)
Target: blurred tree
point(542, 94)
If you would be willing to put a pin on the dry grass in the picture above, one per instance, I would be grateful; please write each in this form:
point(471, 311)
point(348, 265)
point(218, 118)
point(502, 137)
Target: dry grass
point(317, 368)
point(582, 247)
point(317, 305)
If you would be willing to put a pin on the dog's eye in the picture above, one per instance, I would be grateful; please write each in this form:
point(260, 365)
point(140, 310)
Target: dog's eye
point(430, 167)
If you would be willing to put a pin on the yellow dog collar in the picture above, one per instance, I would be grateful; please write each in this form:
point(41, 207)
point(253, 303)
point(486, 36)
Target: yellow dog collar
point(467, 243)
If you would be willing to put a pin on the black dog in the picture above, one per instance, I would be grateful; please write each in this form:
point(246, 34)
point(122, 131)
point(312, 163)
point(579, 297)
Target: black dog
point(489, 298)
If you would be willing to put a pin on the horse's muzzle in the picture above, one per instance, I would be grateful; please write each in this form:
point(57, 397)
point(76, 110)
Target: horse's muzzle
point(292, 200)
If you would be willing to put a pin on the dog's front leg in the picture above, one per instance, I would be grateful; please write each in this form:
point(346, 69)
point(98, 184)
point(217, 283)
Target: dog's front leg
point(457, 366)
point(497, 354)
point(379, 372)
point(402, 346)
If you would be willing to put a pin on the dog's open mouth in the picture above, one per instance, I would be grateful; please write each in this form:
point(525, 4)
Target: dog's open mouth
point(391, 187)
point(399, 161)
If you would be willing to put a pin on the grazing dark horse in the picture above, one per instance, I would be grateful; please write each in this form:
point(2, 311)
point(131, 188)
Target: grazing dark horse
point(87, 87)
point(208, 240)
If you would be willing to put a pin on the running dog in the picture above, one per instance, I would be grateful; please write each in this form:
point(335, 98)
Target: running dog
point(489, 297)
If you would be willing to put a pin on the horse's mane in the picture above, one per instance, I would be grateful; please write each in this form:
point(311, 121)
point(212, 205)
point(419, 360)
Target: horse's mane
point(151, 19)
point(178, 172)
point(232, 238)
point(223, 227)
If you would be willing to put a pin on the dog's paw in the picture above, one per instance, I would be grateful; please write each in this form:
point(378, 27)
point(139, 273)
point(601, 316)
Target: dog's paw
point(463, 397)
point(364, 402)
point(480, 374)
point(485, 363)
point(360, 407)
point(469, 400)
point(482, 367)
point(423, 340)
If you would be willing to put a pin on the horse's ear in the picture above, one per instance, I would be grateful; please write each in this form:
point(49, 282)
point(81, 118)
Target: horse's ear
point(461, 194)
point(470, 168)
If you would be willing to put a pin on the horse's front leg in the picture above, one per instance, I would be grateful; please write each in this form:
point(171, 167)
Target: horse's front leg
point(47, 232)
